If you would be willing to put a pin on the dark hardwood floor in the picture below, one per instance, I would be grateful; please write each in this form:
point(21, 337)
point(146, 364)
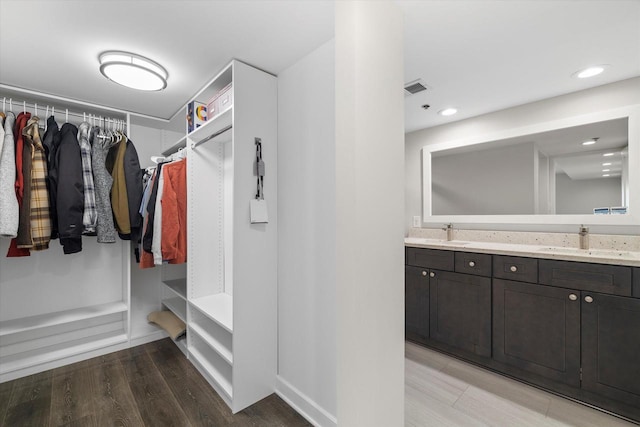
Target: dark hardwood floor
point(150, 385)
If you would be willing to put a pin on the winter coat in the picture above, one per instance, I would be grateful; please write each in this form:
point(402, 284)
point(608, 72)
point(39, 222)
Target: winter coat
point(102, 181)
point(133, 178)
point(22, 189)
point(51, 141)
point(66, 177)
point(40, 220)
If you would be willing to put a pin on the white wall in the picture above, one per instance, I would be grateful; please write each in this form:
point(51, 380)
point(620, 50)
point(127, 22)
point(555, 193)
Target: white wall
point(473, 183)
point(601, 98)
point(306, 236)
point(580, 196)
point(369, 206)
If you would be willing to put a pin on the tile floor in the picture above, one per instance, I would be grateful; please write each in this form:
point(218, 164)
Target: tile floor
point(444, 391)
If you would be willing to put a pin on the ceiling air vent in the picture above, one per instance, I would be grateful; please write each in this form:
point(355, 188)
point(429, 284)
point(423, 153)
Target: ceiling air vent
point(414, 87)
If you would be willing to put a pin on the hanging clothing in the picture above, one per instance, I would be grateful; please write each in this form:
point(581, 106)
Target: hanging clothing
point(24, 218)
point(100, 145)
point(156, 243)
point(51, 142)
point(67, 178)
point(1, 133)
point(40, 217)
point(90, 216)
point(119, 200)
point(174, 212)
point(9, 209)
point(133, 179)
point(147, 239)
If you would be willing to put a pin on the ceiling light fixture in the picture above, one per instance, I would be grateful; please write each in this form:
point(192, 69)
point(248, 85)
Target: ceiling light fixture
point(606, 170)
point(608, 154)
point(591, 141)
point(606, 164)
point(589, 72)
point(133, 71)
point(448, 112)
point(605, 174)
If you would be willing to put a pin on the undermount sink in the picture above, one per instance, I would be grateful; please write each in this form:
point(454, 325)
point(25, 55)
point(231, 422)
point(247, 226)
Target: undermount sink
point(593, 252)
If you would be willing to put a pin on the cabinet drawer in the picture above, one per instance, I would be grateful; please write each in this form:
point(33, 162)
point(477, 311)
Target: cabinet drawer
point(636, 283)
point(607, 279)
point(515, 268)
point(470, 263)
point(429, 258)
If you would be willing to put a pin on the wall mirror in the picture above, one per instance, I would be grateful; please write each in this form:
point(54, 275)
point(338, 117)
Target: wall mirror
point(581, 170)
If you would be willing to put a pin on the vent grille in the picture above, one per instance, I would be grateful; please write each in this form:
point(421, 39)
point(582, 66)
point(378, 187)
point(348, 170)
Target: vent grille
point(414, 87)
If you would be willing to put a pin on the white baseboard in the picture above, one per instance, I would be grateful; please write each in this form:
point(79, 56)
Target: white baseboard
point(304, 405)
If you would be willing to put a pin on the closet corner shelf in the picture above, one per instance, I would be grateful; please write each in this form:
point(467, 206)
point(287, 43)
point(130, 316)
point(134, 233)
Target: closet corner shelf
point(213, 126)
point(178, 306)
point(213, 373)
point(15, 326)
point(212, 342)
point(179, 286)
point(218, 307)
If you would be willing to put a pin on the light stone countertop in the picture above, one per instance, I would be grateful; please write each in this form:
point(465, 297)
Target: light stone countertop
point(604, 249)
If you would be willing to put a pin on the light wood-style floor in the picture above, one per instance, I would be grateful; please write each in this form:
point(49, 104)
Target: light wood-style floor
point(444, 391)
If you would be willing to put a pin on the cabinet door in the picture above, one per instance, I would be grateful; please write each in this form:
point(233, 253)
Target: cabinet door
point(611, 346)
point(461, 311)
point(537, 328)
point(416, 297)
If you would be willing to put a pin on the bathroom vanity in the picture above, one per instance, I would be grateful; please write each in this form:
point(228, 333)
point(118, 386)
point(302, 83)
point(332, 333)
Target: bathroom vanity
point(560, 318)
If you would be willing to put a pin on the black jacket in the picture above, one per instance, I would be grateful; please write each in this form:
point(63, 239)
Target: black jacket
point(51, 142)
point(68, 186)
point(133, 180)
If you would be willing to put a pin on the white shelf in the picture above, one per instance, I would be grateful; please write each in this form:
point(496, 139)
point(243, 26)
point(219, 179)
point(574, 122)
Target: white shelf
point(213, 126)
point(16, 326)
point(178, 306)
point(178, 286)
point(213, 373)
point(58, 352)
point(213, 342)
point(218, 307)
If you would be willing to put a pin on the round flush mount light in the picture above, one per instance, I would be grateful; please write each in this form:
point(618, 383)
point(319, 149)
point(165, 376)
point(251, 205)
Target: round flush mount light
point(133, 71)
point(448, 112)
point(589, 72)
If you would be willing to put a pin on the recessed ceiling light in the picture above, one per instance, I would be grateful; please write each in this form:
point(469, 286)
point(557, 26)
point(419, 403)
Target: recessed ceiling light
point(589, 72)
point(590, 142)
point(133, 71)
point(448, 112)
point(606, 164)
point(605, 174)
point(609, 154)
point(606, 170)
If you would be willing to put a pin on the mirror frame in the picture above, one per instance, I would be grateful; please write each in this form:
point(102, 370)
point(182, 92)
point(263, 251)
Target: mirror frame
point(632, 217)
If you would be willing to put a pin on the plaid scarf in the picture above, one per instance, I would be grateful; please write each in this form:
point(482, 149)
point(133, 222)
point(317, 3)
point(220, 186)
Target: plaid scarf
point(90, 216)
point(39, 209)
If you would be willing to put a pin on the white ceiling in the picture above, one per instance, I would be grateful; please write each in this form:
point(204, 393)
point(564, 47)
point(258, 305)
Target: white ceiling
point(477, 55)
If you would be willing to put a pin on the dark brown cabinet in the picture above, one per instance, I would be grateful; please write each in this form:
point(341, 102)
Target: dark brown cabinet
point(611, 346)
point(460, 311)
point(537, 329)
point(570, 327)
point(416, 297)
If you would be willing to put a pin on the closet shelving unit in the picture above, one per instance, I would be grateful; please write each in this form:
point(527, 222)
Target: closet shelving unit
point(56, 309)
point(231, 280)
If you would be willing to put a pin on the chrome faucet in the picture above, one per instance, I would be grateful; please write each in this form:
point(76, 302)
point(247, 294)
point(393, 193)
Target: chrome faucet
point(584, 237)
point(449, 229)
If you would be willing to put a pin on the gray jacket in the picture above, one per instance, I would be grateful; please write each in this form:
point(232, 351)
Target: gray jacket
point(9, 210)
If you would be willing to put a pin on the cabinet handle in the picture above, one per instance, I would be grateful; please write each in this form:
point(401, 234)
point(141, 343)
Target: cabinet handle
point(472, 264)
point(424, 273)
point(513, 268)
point(432, 274)
point(588, 299)
point(573, 297)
